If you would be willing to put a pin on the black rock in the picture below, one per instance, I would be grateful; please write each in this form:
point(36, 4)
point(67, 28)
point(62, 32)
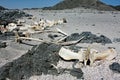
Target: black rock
point(74, 36)
point(52, 36)
point(37, 61)
point(40, 59)
point(8, 16)
point(88, 38)
point(116, 40)
point(115, 67)
point(3, 45)
point(2, 8)
point(0, 33)
point(8, 34)
point(77, 72)
point(75, 48)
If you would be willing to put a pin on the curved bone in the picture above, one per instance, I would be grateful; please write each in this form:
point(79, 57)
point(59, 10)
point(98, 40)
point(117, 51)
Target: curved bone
point(69, 55)
point(105, 55)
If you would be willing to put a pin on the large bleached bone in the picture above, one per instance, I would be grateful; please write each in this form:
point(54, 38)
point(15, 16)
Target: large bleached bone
point(88, 54)
point(35, 39)
point(71, 42)
point(62, 32)
point(105, 55)
point(69, 55)
point(11, 26)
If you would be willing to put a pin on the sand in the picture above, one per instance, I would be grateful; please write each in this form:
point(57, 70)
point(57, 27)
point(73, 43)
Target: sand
point(78, 20)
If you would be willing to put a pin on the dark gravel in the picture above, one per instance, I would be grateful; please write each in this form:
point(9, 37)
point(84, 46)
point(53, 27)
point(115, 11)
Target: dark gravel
point(8, 16)
point(116, 40)
point(115, 67)
point(36, 61)
point(3, 45)
point(88, 38)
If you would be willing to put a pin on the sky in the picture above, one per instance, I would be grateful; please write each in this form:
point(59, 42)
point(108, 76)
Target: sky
point(111, 2)
point(19, 4)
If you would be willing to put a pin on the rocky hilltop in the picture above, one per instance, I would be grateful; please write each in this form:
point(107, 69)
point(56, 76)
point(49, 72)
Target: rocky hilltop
point(69, 4)
point(2, 8)
point(116, 7)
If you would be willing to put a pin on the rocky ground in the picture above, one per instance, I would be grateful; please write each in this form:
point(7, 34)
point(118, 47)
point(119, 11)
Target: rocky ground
point(40, 61)
point(9, 16)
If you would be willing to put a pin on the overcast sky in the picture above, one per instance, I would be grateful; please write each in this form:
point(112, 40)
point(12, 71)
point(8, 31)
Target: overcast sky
point(13, 4)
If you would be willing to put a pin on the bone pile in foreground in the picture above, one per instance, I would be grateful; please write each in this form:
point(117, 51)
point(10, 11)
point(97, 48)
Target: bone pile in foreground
point(87, 54)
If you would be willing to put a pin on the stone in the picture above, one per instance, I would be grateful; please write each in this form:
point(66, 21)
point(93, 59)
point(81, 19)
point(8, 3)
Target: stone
point(88, 38)
point(115, 67)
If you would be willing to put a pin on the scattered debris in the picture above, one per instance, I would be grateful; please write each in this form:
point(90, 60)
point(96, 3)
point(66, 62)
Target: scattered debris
point(115, 67)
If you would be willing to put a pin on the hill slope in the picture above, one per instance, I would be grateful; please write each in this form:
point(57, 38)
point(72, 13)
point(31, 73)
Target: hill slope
point(116, 7)
point(2, 8)
point(69, 4)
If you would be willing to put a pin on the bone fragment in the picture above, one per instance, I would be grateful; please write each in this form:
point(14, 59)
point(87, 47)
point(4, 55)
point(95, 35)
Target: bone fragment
point(69, 55)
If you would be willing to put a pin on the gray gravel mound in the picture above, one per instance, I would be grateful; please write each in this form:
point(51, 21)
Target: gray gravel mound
point(88, 38)
point(37, 61)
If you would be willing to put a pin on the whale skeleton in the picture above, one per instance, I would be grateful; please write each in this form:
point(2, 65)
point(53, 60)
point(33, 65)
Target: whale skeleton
point(87, 54)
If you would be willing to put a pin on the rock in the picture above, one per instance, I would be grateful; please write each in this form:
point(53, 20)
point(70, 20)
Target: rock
point(3, 45)
point(8, 34)
point(115, 67)
point(37, 61)
point(116, 40)
point(53, 36)
point(88, 38)
point(2, 8)
point(77, 72)
point(75, 48)
point(93, 24)
point(9, 16)
point(74, 36)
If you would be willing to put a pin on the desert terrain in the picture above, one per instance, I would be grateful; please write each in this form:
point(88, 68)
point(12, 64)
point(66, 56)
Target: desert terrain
point(14, 57)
